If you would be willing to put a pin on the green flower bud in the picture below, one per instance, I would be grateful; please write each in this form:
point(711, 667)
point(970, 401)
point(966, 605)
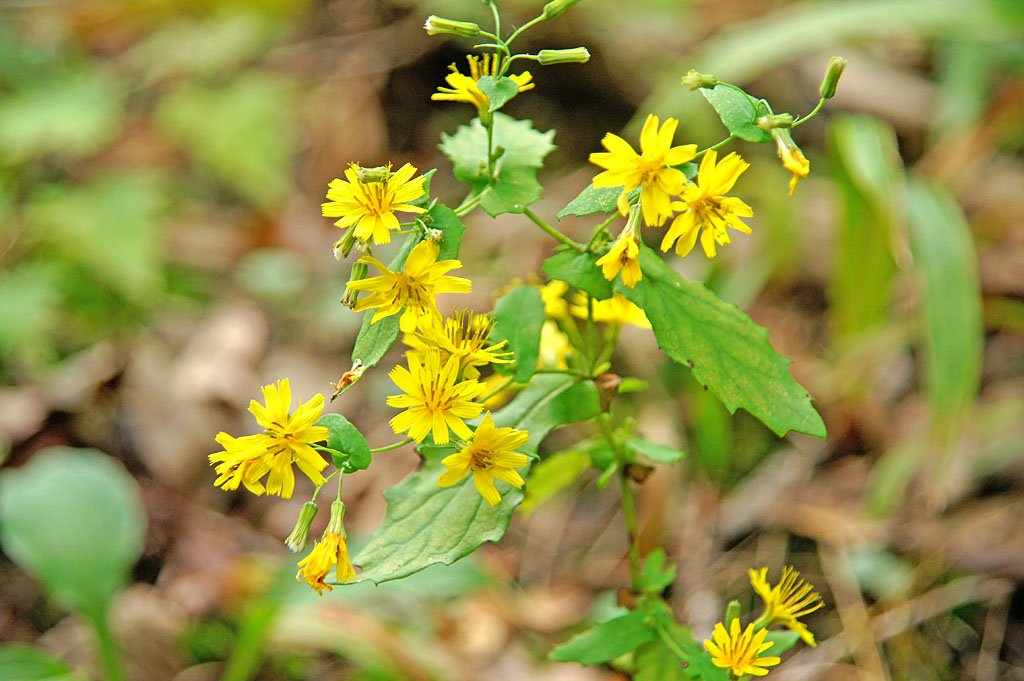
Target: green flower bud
point(359, 271)
point(343, 246)
point(296, 541)
point(694, 80)
point(732, 612)
point(836, 65)
point(575, 55)
point(556, 7)
point(371, 175)
point(436, 25)
point(336, 525)
point(769, 123)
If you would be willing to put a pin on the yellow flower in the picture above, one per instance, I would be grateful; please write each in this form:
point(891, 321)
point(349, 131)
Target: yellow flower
point(614, 310)
point(285, 440)
point(705, 209)
point(463, 335)
point(787, 601)
point(740, 653)
point(553, 295)
point(434, 400)
point(413, 289)
point(371, 205)
point(463, 88)
point(624, 255)
point(554, 347)
point(330, 552)
point(489, 454)
point(792, 158)
point(650, 170)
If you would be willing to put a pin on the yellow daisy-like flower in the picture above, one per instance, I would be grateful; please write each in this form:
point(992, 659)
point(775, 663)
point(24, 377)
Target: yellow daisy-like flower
point(463, 335)
point(463, 88)
point(740, 652)
point(705, 209)
point(331, 552)
point(553, 295)
point(615, 310)
point(624, 255)
point(651, 170)
point(792, 157)
point(434, 399)
point(413, 289)
point(786, 602)
point(489, 454)
point(285, 440)
point(370, 204)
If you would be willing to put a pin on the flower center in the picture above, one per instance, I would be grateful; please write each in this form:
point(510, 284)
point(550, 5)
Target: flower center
point(483, 459)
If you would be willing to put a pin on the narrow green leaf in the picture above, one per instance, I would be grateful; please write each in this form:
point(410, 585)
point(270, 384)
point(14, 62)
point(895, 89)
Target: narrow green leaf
point(354, 452)
point(21, 662)
point(73, 519)
point(654, 451)
point(632, 384)
point(579, 270)
point(592, 200)
point(953, 336)
point(425, 524)
point(518, 318)
point(782, 640)
point(498, 90)
point(607, 640)
point(738, 111)
point(724, 348)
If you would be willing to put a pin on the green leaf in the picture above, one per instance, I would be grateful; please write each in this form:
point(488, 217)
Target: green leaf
point(445, 219)
point(953, 334)
point(724, 348)
point(518, 318)
point(21, 662)
point(522, 150)
point(579, 270)
point(424, 200)
point(243, 131)
point(592, 200)
point(782, 640)
point(656, 575)
point(353, 453)
point(738, 111)
point(657, 661)
point(498, 90)
point(425, 524)
point(654, 451)
point(607, 640)
point(631, 384)
point(552, 475)
point(30, 300)
point(73, 518)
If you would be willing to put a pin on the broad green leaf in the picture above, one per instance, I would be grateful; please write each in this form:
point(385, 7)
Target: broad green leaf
point(723, 347)
point(498, 90)
point(344, 438)
point(73, 519)
point(552, 475)
point(71, 115)
point(944, 256)
point(22, 662)
point(607, 640)
point(243, 131)
point(592, 200)
point(522, 150)
point(109, 226)
point(425, 524)
point(579, 270)
point(375, 339)
point(518, 318)
point(738, 111)
point(654, 451)
point(782, 640)
point(424, 200)
point(657, 573)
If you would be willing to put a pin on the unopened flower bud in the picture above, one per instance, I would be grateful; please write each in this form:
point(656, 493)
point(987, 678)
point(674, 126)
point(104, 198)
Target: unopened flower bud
point(556, 7)
point(296, 541)
point(694, 80)
point(436, 25)
point(434, 235)
point(371, 175)
point(732, 612)
point(836, 65)
point(792, 157)
point(336, 525)
point(773, 121)
point(574, 55)
point(359, 271)
point(343, 246)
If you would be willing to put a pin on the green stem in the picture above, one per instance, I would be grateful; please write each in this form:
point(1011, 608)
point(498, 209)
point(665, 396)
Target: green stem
point(672, 645)
point(497, 20)
point(602, 229)
point(528, 24)
point(626, 499)
point(611, 339)
point(498, 389)
point(110, 657)
point(552, 231)
point(319, 487)
point(490, 148)
point(728, 139)
point(468, 204)
point(814, 112)
point(388, 448)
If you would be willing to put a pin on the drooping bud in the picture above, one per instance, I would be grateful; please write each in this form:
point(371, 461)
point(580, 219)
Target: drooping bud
point(792, 157)
point(556, 7)
point(375, 174)
point(436, 25)
point(296, 541)
point(732, 612)
point(359, 271)
point(574, 55)
point(694, 80)
point(343, 246)
point(336, 525)
point(836, 65)
point(773, 121)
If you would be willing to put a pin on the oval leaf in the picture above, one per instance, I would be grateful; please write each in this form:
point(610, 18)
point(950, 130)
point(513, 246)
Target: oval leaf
point(353, 453)
point(579, 270)
point(738, 111)
point(497, 90)
point(518, 318)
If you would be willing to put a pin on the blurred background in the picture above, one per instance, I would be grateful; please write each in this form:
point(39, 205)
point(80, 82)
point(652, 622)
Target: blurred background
point(163, 255)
